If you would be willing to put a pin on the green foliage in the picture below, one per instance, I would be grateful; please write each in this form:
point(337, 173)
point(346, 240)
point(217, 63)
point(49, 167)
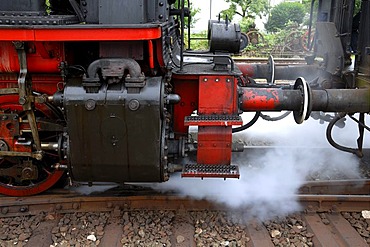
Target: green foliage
point(284, 13)
point(247, 9)
point(246, 24)
point(229, 13)
point(197, 44)
point(357, 6)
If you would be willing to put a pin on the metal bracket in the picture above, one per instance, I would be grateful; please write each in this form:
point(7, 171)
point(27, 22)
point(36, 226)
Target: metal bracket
point(25, 94)
point(6, 91)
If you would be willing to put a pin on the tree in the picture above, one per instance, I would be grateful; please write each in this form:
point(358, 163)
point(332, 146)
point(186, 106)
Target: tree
point(247, 9)
point(284, 13)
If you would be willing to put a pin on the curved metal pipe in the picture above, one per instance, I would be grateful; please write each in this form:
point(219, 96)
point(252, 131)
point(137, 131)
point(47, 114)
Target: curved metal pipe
point(114, 67)
point(329, 130)
point(247, 125)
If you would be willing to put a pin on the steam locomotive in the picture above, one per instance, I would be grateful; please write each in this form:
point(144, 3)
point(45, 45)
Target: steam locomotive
point(104, 91)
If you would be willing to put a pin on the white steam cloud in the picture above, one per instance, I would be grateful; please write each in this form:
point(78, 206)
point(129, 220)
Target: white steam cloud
point(85, 189)
point(269, 181)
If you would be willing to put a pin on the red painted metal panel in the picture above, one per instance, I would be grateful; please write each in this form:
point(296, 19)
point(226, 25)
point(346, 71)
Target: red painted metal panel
point(188, 91)
point(217, 95)
point(17, 34)
point(214, 145)
point(80, 34)
point(42, 57)
point(40, 83)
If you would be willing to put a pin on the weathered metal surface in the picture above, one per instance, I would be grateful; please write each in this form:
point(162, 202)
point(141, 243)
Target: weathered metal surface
point(341, 100)
point(12, 206)
point(224, 37)
point(111, 129)
point(259, 99)
point(214, 145)
point(329, 100)
point(282, 72)
point(357, 187)
point(217, 96)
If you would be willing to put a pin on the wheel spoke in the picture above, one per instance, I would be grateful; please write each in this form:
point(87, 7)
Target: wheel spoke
point(29, 176)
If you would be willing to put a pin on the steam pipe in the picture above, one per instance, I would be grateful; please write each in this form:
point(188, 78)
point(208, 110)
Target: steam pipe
point(341, 100)
point(282, 72)
point(328, 100)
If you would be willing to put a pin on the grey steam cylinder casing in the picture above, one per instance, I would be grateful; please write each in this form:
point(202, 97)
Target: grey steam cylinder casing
point(114, 135)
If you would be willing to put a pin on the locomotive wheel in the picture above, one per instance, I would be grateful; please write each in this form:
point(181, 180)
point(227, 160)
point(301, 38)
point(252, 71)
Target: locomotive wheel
point(24, 176)
point(293, 41)
point(255, 38)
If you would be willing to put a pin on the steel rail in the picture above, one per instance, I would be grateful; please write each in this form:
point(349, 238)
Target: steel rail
point(11, 207)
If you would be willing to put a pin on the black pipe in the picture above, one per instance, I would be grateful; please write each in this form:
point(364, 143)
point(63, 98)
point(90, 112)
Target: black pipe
point(247, 125)
point(341, 100)
point(329, 130)
point(310, 26)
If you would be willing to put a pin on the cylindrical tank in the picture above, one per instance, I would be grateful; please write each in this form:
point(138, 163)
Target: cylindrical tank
point(224, 36)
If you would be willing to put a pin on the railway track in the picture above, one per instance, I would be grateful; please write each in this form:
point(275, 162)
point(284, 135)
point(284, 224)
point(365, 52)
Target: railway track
point(329, 213)
point(329, 216)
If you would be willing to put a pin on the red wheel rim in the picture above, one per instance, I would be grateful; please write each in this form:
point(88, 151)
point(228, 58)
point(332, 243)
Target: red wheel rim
point(51, 176)
point(29, 190)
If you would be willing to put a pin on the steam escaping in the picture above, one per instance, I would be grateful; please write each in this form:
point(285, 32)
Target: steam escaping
point(97, 187)
point(269, 181)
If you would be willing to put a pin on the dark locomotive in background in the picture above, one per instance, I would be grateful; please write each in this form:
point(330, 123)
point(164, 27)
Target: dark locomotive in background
point(105, 91)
